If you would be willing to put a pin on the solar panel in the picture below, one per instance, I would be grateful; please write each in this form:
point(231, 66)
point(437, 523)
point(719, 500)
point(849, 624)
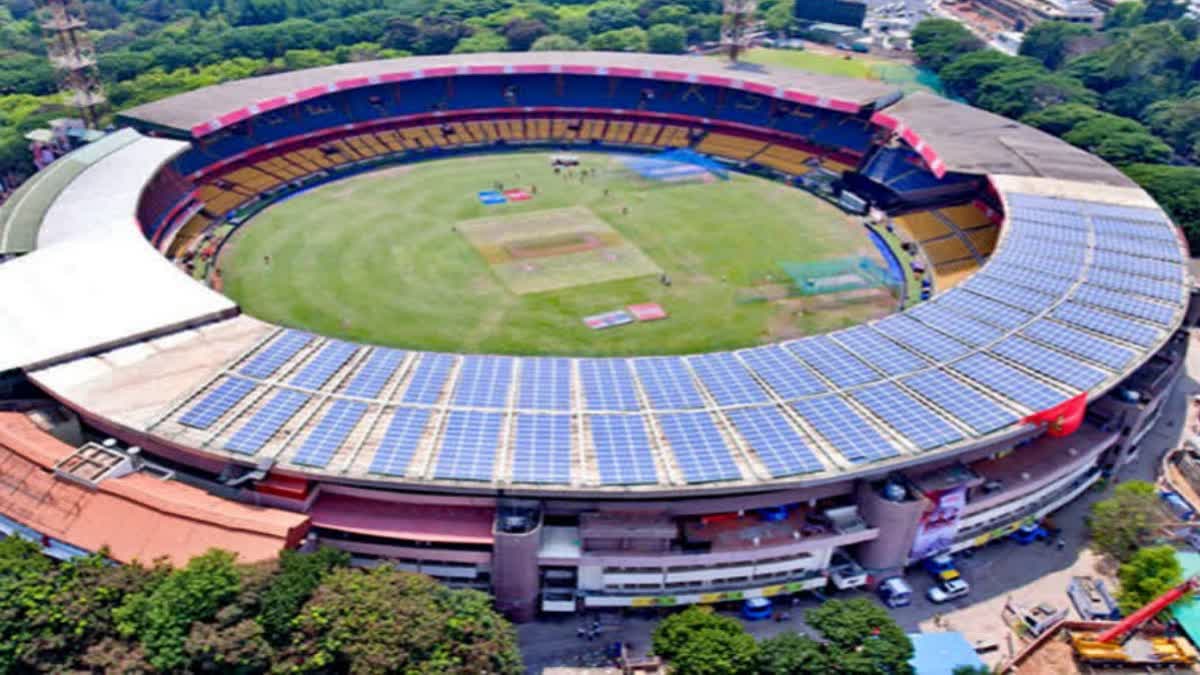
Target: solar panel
point(832, 360)
point(907, 415)
point(919, 337)
point(1038, 282)
point(985, 309)
point(483, 381)
point(623, 453)
point(776, 442)
point(1131, 264)
point(1009, 381)
point(470, 440)
point(1153, 288)
point(1131, 228)
point(328, 361)
point(727, 379)
point(1107, 324)
point(783, 373)
point(700, 450)
point(1048, 362)
point(1136, 213)
point(877, 350)
point(428, 380)
point(375, 373)
point(1146, 248)
point(1034, 302)
point(967, 405)
point(607, 385)
point(960, 327)
point(544, 384)
point(1040, 204)
point(667, 383)
point(542, 449)
point(218, 402)
point(844, 429)
point(1080, 343)
point(276, 354)
point(330, 433)
point(400, 441)
point(267, 422)
point(1125, 304)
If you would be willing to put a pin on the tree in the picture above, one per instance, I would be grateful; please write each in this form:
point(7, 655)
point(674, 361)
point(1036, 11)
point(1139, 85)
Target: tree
point(161, 616)
point(522, 33)
point(1149, 573)
point(299, 575)
point(554, 43)
point(387, 620)
point(1123, 15)
point(1178, 123)
point(1118, 139)
point(480, 41)
point(792, 654)
point(965, 73)
point(666, 38)
point(1127, 520)
point(624, 40)
point(971, 670)
point(938, 42)
point(1050, 41)
point(1019, 89)
point(672, 634)
point(1060, 119)
point(698, 641)
point(609, 16)
point(781, 16)
point(1176, 189)
point(863, 635)
point(679, 15)
point(439, 36)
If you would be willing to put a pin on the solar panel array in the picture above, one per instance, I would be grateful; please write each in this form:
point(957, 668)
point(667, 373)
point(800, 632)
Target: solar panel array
point(1063, 307)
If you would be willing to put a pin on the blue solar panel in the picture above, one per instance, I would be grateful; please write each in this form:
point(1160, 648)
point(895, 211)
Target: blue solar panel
point(985, 309)
point(966, 404)
point(267, 422)
point(1136, 213)
point(1034, 302)
point(375, 373)
point(483, 381)
point(544, 384)
point(700, 450)
point(832, 360)
point(328, 361)
point(330, 433)
point(276, 354)
point(1079, 343)
point(1009, 381)
point(1126, 304)
point(919, 337)
point(1042, 206)
point(907, 415)
point(1030, 279)
point(428, 380)
point(400, 442)
point(781, 371)
point(542, 449)
point(879, 351)
point(218, 402)
point(623, 453)
point(1167, 270)
point(1147, 248)
point(1048, 362)
point(469, 444)
point(960, 327)
point(776, 442)
point(1131, 228)
point(607, 385)
point(727, 379)
point(843, 428)
point(1152, 288)
point(667, 383)
point(1109, 324)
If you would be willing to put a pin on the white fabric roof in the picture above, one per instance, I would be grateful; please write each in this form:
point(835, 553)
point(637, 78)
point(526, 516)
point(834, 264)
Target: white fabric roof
point(94, 281)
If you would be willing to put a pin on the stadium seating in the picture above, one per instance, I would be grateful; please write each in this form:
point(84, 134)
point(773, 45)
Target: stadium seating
point(187, 234)
point(731, 147)
point(785, 159)
point(951, 274)
point(922, 226)
point(956, 240)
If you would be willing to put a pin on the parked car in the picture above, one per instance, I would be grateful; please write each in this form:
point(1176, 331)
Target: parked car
point(1029, 533)
point(948, 590)
point(845, 572)
point(756, 609)
point(895, 592)
point(940, 567)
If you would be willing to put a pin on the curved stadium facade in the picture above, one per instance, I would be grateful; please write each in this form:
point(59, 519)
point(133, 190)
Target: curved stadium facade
point(1058, 290)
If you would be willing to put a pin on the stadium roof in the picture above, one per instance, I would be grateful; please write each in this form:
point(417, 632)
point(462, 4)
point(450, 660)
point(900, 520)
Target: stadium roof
point(192, 112)
point(953, 131)
point(94, 280)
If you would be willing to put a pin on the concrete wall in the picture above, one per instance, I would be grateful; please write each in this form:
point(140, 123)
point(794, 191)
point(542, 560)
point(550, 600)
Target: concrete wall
point(515, 581)
point(897, 525)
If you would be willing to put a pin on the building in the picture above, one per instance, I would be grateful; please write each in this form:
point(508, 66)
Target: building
point(1024, 14)
point(654, 482)
point(844, 12)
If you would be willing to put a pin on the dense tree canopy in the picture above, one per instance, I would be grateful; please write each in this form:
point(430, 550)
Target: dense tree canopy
point(1127, 520)
point(1149, 573)
point(306, 612)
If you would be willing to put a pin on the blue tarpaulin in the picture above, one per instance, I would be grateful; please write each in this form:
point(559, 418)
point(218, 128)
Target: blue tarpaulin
point(941, 653)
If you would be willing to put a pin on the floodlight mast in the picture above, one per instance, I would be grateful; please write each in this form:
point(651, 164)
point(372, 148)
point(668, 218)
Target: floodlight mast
point(73, 56)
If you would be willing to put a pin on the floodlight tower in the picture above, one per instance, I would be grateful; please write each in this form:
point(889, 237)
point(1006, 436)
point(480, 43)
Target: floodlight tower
point(737, 20)
point(64, 28)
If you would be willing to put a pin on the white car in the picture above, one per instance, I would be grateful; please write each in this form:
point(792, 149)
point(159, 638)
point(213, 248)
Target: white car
point(947, 590)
